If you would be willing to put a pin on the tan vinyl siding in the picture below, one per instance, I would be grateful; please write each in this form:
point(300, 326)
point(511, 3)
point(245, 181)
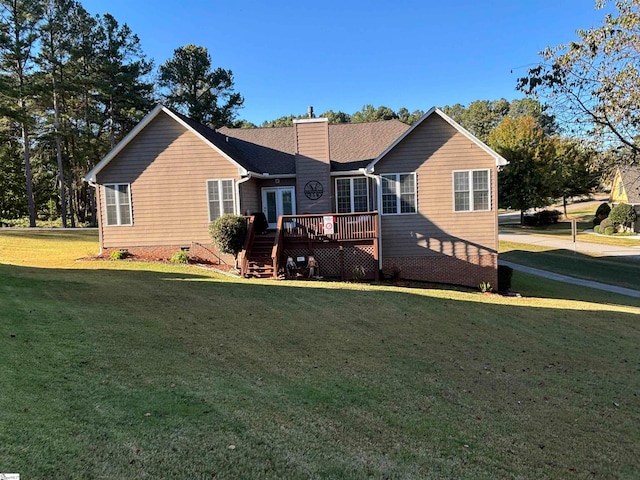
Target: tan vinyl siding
point(434, 150)
point(167, 167)
point(249, 197)
point(312, 164)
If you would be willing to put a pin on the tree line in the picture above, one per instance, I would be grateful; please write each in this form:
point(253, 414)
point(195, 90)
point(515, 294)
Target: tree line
point(72, 85)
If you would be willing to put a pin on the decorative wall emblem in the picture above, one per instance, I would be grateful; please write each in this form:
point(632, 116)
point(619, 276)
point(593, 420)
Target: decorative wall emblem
point(313, 190)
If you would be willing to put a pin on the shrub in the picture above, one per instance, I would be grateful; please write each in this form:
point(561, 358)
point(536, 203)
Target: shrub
point(548, 217)
point(541, 218)
point(603, 211)
point(504, 278)
point(485, 287)
point(228, 233)
point(609, 230)
point(623, 214)
point(358, 273)
point(118, 254)
point(596, 228)
point(180, 257)
point(605, 223)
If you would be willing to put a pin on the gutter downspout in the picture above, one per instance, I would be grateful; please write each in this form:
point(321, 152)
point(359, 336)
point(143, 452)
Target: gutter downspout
point(242, 180)
point(376, 178)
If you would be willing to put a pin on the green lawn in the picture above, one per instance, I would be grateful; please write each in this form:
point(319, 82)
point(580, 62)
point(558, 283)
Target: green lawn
point(619, 271)
point(562, 230)
point(138, 370)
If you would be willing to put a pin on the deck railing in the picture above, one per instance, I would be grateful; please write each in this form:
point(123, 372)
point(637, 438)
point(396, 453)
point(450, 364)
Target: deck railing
point(346, 226)
point(278, 248)
point(248, 244)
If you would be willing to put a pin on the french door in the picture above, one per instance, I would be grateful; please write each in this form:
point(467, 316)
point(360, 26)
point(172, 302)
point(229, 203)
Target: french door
point(278, 201)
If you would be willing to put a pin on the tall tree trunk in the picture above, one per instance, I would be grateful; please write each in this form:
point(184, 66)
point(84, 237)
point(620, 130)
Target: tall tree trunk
point(31, 203)
point(72, 215)
point(63, 200)
point(112, 133)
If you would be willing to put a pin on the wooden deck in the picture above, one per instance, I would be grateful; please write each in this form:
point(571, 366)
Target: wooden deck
point(352, 245)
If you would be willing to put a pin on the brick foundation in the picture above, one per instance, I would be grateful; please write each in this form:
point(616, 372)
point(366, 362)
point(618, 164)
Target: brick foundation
point(468, 271)
point(197, 252)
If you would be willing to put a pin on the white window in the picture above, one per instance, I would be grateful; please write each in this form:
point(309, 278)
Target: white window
point(471, 192)
point(117, 200)
point(221, 198)
point(352, 195)
point(399, 193)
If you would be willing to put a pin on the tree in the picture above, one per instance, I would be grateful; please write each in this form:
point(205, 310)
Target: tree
point(481, 117)
point(572, 169)
point(228, 233)
point(369, 113)
point(54, 34)
point(409, 117)
point(195, 89)
point(527, 181)
point(13, 200)
point(336, 117)
point(593, 83)
point(19, 23)
point(624, 215)
point(123, 92)
point(284, 121)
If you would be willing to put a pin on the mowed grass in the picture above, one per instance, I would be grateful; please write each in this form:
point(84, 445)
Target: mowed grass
point(562, 230)
point(139, 370)
point(619, 271)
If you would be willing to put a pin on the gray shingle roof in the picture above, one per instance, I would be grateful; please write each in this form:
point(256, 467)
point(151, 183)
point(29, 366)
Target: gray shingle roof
point(352, 145)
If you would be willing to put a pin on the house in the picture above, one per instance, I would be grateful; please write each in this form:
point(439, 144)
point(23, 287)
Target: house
point(416, 202)
point(626, 189)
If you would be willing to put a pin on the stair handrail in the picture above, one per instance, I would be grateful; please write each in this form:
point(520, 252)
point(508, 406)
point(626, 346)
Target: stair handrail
point(248, 245)
point(276, 251)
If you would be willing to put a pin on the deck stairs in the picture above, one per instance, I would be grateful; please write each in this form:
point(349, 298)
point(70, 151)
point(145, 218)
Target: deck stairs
point(259, 263)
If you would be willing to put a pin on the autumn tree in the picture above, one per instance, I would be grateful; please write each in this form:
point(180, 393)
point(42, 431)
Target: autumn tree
point(206, 95)
point(593, 82)
point(527, 181)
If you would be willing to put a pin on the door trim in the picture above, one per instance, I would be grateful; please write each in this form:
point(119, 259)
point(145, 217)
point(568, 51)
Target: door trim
point(279, 206)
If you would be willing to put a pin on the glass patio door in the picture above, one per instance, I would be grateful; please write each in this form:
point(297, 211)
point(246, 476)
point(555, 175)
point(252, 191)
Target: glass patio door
point(278, 201)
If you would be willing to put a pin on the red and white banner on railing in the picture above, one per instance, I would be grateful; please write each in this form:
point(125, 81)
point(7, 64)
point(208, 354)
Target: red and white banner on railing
point(328, 225)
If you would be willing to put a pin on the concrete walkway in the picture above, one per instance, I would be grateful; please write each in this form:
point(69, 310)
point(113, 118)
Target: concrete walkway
point(572, 280)
point(595, 249)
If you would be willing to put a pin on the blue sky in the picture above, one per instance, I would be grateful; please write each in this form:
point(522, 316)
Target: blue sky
point(340, 55)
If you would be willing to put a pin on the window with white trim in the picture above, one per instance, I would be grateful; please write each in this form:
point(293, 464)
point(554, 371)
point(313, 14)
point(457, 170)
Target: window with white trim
point(117, 201)
point(471, 191)
point(399, 193)
point(352, 195)
point(222, 198)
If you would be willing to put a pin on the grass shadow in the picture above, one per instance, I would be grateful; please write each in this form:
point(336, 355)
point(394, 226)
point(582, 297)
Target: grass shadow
point(154, 373)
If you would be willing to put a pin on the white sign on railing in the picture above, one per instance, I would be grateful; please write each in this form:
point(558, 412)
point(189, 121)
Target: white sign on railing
point(328, 224)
